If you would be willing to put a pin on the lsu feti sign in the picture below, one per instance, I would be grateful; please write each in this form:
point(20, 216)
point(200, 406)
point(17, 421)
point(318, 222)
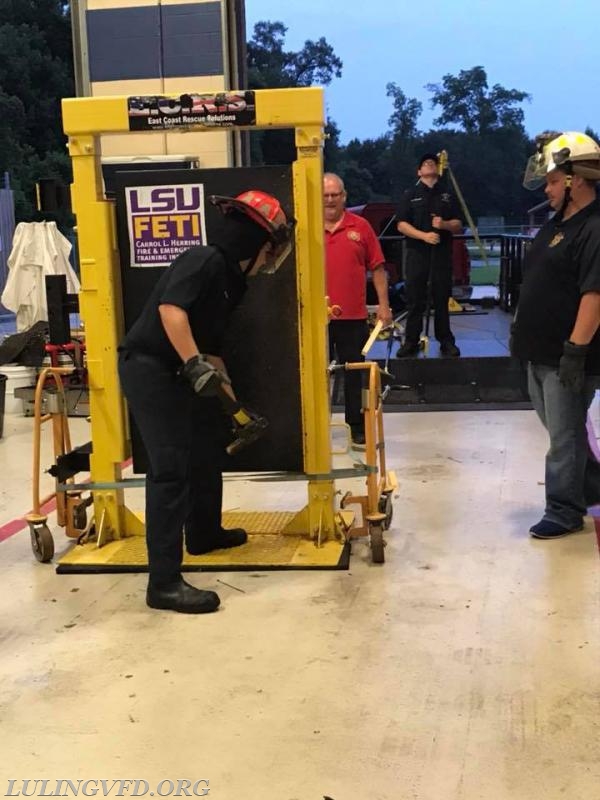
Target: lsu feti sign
point(164, 221)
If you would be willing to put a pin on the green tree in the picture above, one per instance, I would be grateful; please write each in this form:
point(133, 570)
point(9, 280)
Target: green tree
point(50, 15)
point(466, 101)
point(405, 137)
point(407, 111)
point(270, 66)
point(366, 170)
point(591, 132)
point(333, 151)
point(358, 182)
point(368, 167)
point(36, 71)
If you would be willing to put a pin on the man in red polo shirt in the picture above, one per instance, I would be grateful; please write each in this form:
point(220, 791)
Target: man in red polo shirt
point(351, 249)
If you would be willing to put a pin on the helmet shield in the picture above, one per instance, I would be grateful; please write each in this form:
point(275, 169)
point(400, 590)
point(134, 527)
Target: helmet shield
point(535, 171)
point(276, 255)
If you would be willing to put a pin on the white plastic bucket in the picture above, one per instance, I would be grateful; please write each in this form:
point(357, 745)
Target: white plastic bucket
point(16, 377)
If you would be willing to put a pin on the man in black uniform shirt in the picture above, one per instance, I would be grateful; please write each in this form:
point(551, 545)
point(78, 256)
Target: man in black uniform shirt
point(428, 217)
point(169, 365)
point(556, 325)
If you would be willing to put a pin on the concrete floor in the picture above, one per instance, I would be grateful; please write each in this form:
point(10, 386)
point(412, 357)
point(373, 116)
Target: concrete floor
point(465, 668)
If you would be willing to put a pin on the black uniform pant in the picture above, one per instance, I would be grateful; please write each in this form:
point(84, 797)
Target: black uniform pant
point(415, 286)
point(347, 338)
point(185, 438)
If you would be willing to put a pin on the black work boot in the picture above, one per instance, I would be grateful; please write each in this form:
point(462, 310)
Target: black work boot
point(449, 349)
point(546, 529)
point(408, 349)
point(181, 596)
point(222, 541)
point(358, 439)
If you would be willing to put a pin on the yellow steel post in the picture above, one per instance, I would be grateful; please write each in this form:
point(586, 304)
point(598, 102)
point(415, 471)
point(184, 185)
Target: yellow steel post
point(314, 382)
point(101, 312)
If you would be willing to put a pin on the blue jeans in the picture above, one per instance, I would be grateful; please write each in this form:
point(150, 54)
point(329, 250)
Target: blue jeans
point(572, 472)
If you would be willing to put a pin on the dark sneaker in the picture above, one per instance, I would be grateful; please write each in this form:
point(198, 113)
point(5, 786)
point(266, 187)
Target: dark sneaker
point(449, 349)
point(545, 529)
point(408, 349)
point(358, 440)
point(182, 597)
point(226, 539)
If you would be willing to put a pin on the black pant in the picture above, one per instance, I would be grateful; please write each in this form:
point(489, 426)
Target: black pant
point(415, 285)
point(347, 338)
point(185, 439)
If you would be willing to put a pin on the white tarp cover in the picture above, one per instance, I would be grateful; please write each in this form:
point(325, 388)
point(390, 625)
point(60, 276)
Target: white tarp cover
point(38, 249)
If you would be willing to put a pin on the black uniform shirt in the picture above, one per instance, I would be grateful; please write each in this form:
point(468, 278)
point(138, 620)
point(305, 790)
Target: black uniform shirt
point(203, 283)
point(563, 262)
point(417, 207)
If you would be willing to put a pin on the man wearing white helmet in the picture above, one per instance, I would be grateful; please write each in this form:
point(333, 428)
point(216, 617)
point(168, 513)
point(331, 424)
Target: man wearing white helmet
point(556, 327)
point(172, 373)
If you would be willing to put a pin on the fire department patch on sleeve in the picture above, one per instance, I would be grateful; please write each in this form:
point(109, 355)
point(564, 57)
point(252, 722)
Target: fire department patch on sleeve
point(354, 235)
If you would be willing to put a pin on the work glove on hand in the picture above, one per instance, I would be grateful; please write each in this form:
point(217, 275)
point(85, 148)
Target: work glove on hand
point(571, 367)
point(202, 376)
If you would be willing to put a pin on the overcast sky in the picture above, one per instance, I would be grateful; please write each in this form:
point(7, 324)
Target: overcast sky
point(549, 49)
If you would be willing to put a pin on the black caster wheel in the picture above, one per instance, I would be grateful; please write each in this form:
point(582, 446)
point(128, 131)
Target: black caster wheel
point(80, 517)
point(386, 507)
point(42, 543)
point(377, 544)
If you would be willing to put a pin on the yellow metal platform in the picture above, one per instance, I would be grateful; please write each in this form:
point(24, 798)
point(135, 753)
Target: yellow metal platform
point(272, 544)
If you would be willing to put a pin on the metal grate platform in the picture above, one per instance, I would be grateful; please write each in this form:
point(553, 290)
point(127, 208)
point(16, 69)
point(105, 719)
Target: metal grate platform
point(269, 547)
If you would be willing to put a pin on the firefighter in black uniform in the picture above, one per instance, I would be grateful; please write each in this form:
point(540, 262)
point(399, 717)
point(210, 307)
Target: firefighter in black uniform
point(428, 217)
point(556, 327)
point(172, 376)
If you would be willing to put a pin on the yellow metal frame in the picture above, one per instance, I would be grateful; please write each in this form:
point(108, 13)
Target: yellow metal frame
point(381, 484)
point(61, 441)
point(85, 120)
point(70, 507)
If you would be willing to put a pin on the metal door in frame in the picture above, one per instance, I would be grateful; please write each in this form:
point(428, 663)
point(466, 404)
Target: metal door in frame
point(262, 344)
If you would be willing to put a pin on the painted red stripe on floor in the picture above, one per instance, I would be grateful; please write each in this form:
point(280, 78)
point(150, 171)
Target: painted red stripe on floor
point(15, 525)
point(12, 527)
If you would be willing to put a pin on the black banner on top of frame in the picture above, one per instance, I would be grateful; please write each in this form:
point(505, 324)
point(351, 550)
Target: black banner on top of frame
point(220, 110)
